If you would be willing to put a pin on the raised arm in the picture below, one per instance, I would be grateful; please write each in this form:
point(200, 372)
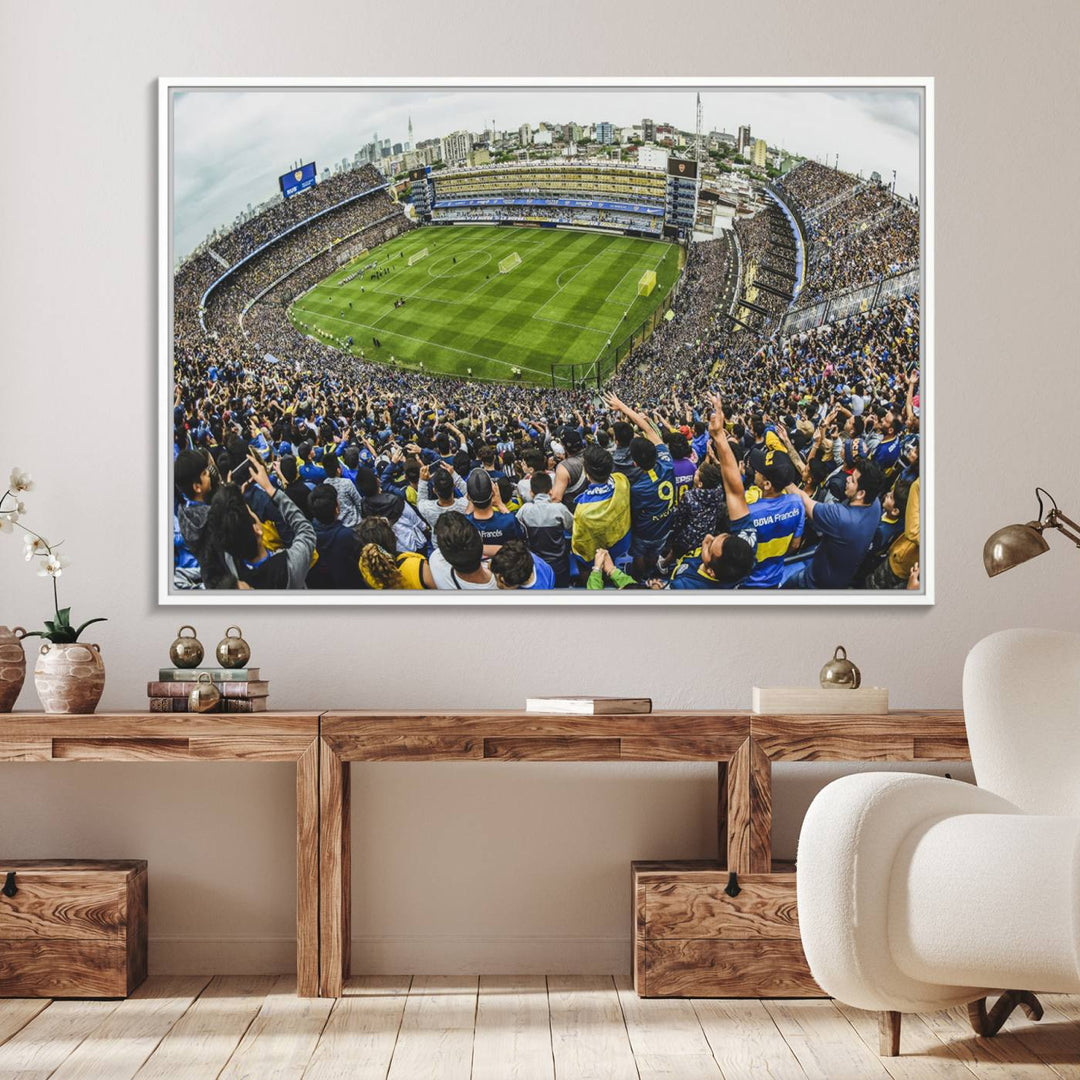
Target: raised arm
point(909, 402)
point(640, 420)
point(729, 467)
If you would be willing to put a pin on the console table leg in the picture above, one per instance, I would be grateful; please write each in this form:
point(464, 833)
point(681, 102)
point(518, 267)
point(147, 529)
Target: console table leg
point(722, 813)
point(749, 810)
point(307, 872)
point(334, 872)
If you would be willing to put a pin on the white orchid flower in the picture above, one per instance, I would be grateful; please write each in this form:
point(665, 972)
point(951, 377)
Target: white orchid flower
point(34, 545)
point(54, 566)
point(7, 520)
point(20, 481)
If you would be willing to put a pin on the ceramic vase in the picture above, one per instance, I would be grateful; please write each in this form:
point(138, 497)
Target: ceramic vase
point(12, 666)
point(69, 678)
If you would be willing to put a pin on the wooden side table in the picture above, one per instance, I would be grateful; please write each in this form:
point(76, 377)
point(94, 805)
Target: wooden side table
point(259, 737)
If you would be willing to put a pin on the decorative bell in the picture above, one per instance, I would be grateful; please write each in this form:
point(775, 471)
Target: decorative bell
point(233, 652)
point(186, 652)
point(840, 673)
point(204, 696)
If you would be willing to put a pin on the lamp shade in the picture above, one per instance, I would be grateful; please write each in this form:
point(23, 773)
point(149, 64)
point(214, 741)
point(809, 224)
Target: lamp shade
point(1012, 545)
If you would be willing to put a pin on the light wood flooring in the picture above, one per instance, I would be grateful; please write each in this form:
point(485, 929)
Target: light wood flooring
point(524, 1027)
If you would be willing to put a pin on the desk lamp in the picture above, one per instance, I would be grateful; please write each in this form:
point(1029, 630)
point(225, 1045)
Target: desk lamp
point(1014, 544)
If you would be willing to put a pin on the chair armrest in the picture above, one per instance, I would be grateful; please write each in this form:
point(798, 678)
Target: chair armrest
point(848, 844)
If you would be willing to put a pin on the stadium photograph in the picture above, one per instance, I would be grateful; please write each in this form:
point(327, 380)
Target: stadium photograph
point(559, 343)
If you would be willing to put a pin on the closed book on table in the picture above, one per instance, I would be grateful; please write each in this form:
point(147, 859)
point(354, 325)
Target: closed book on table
point(225, 689)
point(72, 928)
point(227, 705)
point(218, 674)
point(239, 705)
point(588, 706)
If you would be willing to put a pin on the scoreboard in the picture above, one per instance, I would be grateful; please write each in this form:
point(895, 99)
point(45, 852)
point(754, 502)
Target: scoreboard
point(682, 167)
point(292, 183)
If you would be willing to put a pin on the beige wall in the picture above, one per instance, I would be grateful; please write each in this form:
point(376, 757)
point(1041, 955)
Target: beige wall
point(493, 867)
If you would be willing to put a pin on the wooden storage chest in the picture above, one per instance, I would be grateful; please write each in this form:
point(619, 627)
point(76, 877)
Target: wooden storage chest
point(693, 939)
point(71, 928)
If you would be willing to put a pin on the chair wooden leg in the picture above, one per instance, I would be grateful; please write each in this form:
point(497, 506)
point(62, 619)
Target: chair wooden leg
point(889, 1033)
point(988, 1024)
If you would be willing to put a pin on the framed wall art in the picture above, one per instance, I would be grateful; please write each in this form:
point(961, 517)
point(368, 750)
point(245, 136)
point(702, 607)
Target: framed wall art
point(546, 341)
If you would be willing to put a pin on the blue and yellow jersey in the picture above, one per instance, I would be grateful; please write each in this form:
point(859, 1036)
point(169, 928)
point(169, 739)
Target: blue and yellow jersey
point(601, 516)
point(690, 571)
point(777, 522)
point(652, 498)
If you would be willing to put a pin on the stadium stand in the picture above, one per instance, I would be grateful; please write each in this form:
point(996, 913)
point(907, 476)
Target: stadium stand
point(595, 196)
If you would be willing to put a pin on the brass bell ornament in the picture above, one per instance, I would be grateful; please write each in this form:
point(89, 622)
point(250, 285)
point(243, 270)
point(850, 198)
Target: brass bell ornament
point(204, 695)
point(186, 652)
point(233, 652)
point(840, 673)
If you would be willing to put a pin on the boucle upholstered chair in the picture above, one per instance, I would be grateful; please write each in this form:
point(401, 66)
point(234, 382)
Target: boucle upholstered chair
point(919, 893)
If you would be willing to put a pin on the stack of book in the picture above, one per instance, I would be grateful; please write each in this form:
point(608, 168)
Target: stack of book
point(241, 689)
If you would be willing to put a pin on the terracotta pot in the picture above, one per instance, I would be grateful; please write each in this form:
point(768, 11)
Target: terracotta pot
point(12, 666)
point(69, 678)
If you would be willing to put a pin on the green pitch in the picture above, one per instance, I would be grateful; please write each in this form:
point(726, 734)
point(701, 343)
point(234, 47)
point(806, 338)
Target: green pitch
point(572, 299)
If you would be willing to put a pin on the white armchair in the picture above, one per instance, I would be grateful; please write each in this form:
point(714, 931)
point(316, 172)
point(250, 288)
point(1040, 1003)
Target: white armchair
point(918, 893)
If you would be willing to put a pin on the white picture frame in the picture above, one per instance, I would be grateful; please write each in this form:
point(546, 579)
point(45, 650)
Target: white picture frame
point(167, 595)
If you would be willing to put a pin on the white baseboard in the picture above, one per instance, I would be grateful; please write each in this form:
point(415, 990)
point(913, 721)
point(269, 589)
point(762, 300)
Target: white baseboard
point(430, 954)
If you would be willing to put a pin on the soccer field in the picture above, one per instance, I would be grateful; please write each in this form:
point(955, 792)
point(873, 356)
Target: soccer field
point(571, 295)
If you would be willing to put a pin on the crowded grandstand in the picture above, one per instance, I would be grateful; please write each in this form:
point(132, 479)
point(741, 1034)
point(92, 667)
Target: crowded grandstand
point(761, 430)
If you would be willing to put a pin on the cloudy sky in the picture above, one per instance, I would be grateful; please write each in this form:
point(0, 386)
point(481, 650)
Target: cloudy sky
point(230, 146)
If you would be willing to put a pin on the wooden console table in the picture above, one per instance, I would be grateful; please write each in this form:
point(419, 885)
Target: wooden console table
point(260, 737)
point(742, 744)
point(689, 950)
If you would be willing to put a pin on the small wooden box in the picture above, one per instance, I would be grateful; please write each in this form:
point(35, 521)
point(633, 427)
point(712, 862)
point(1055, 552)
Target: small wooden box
point(691, 939)
point(72, 928)
point(817, 701)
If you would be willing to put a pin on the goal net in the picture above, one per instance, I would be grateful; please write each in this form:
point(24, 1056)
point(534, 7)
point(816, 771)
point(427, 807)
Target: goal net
point(508, 264)
point(647, 283)
point(421, 254)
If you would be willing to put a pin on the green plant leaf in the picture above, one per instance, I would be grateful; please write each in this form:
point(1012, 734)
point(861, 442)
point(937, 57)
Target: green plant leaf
point(63, 617)
point(50, 626)
point(86, 624)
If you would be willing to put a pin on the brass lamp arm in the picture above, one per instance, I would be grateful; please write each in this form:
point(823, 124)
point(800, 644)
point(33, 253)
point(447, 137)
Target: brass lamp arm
point(1057, 520)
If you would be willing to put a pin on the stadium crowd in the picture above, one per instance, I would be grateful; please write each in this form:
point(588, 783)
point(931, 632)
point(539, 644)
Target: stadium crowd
point(712, 460)
point(583, 218)
point(859, 232)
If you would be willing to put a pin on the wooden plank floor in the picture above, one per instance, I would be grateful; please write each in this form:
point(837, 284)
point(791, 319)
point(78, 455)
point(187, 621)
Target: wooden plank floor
point(523, 1027)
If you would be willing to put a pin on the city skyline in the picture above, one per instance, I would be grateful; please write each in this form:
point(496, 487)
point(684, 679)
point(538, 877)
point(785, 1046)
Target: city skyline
point(230, 146)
